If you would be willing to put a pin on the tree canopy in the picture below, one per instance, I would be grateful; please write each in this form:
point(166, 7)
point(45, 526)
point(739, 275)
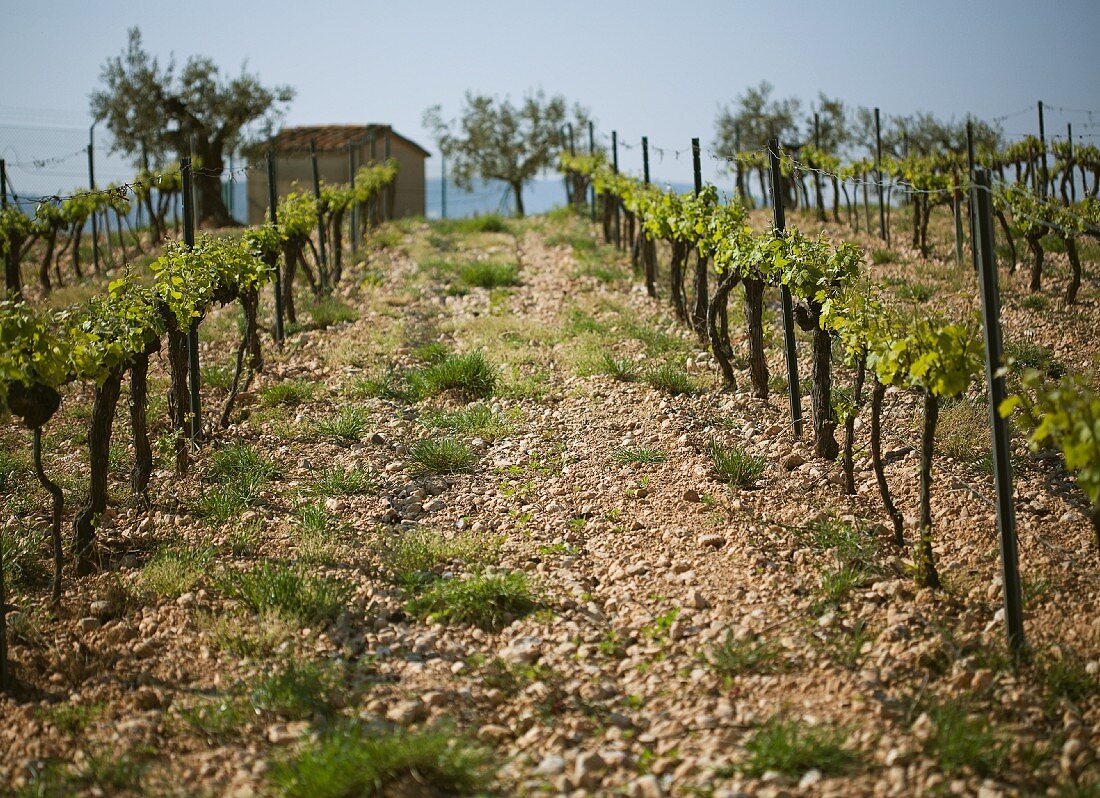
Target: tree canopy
point(492, 139)
point(161, 112)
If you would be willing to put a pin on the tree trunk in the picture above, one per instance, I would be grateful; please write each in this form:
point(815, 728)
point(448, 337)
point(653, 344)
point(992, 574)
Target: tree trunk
point(99, 446)
point(825, 444)
point(291, 257)
point(13, 282)
point(517, 192)
point(57, 503)
point(721, 295)
point(250, 344)
point(47, 259)
point(337, 246)
point(1075, 268)
point(178, 398)
point(1036, 246)
point(649, 257)
point(850, 428)
point(836, 198)
point(878, 393)
point(143, 452)
point(1008, 237)
point(926, 564)
point(676, 279)
point(699, 314)
point(819, 198)
point(1094, 516)
point(754, 318)
point(210, 205)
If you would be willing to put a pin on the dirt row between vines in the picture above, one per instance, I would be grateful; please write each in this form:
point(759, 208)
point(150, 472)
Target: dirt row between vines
point(679, 621)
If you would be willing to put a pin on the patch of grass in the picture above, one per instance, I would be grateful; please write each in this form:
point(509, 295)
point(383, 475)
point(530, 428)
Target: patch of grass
point(418, 556)
point(734, 466)
point(656, 341)
point(854, 562)
point(221, 503)
point(671, 379)
point(256, 636)
point(278, 588)
point(578, 242)
point(476, 420)
point(350, 760)
point(242, 461)
point(432, 352)
point(1063, 674)
point(1036, 302)
point(792, 747)
point(487, 601)
point(290, 392)
point(109, 771)
point(347, 425)
point(441, 456)
point(24, 565)
point(962, 432)
point(315, 538)
point(604, 272)
point(916, 292)
point(338, 480)
point(71, 718)
point(489, 274)
point(845, 645)
point(488, 223)
point(295, 691)
point(1030, 355)
point(174, 570)
point(622, 369)
point(385, 238)
point(329, 310)
point(216, 376)
point(734, 657)
point(882, 256)
point(963, 741)
point(642, 455)
point(470, 375)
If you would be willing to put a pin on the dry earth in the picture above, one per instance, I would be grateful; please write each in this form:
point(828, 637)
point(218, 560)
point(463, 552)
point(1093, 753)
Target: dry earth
point(687, 636)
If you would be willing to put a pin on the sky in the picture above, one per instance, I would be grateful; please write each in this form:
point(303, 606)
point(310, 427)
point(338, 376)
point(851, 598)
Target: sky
point(659, 69)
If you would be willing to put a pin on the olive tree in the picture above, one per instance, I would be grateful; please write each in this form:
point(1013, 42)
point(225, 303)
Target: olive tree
point(492, 139)
point(164, 111)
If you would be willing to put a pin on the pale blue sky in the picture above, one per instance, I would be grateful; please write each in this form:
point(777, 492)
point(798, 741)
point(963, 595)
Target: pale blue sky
point(657, 68)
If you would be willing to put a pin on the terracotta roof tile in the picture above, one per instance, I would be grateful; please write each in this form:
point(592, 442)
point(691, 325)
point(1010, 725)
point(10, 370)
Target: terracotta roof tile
point(333, 137)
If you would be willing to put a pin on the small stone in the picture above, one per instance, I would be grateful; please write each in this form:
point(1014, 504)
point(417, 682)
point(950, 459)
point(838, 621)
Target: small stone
point(691, 495)
point(983, 678)
point(697, 600)
point(551, 765)
point(89, 624)
point(377, 439)
point(143, 650)
point(493, 734)
point(646, 787)
point(811, 777)
point(523, 650)
point(712, 539)
point(406, 712)
point(793, 461)
point(588, 769)
point(100, 608)
point(435, 698)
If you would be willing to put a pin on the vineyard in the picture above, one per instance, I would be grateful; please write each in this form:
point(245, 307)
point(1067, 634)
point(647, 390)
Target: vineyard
point(537, 506)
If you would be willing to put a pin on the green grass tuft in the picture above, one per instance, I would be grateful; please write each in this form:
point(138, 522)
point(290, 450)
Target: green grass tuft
point(643, 455)
point(416, 557)
point(347, 425)
point(489, 274)
point(961, 741)
point(733, 657)
point(441, 456)
point(340, 481)
point(477, 420)
point(734, 465)
point(237, 461)
point(277, 588)
point(470, 375)
point(291, 392)
point(351, 761)
point(671, 379)
point(792, 747)
point(327, 311)
point(487, 601)
point(173, 570)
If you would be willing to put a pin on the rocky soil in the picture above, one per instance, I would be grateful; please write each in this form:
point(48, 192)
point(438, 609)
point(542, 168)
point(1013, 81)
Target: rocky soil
point(688, 636)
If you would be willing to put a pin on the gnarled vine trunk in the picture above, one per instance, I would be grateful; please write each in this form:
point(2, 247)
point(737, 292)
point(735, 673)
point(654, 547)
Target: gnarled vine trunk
point(878, 393)
point(1075, 269)
point(99, 446)
point(926, 564)
point(1035, 244)
point(714, 315)
point(139, 427)
point(850, 428)
point(676, 279)
point(57, 503)
point(178, 400)
point(754, 319)
point(699, 313)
